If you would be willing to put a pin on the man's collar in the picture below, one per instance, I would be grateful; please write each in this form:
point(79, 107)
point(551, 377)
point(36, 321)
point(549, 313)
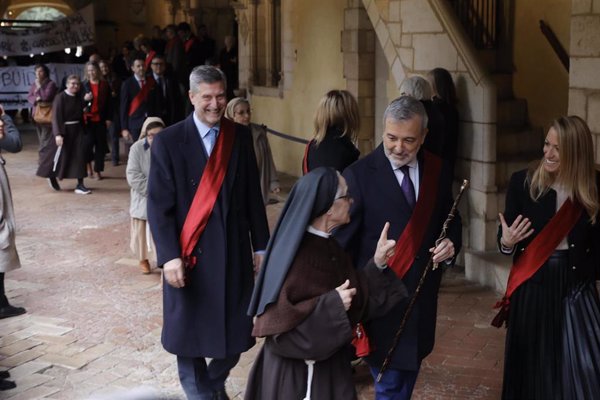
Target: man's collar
point(201, 126)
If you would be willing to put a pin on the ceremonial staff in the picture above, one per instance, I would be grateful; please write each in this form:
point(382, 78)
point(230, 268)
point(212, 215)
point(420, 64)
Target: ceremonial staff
point(429, 265)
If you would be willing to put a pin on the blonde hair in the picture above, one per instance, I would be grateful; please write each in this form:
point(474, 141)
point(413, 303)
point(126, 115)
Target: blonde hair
point(339, 109)
point(233, 103)
point(577, 173)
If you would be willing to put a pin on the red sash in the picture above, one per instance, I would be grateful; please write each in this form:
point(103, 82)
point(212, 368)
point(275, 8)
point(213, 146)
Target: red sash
point(536, 254)
point(305, 159)
point(411, 239)
point(149, 58)
point(207, 192)
point(189, 43)
point(141, 96)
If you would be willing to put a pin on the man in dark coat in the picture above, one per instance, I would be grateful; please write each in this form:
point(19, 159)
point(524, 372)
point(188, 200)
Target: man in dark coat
point(418, 206)
point(207, 289)
point(164, 100)
point(134, 99)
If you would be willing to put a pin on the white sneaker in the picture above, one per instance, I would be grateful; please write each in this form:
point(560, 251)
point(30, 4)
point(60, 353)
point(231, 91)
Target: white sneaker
point(80, 189)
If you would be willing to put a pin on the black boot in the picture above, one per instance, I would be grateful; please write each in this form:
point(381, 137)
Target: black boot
point(10, 311)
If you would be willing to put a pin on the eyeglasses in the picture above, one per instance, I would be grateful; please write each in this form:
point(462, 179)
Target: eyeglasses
point(345, 197)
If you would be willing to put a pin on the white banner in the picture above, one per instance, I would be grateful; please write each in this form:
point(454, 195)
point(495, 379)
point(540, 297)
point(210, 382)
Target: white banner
point(72, 31)
point(16, 81)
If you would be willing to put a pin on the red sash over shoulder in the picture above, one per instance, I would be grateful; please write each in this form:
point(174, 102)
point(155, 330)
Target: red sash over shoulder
point(141, 96)
point(536, 254)
point(207, 192)
point(149, 58)
point(305, 159)
point(411, 239)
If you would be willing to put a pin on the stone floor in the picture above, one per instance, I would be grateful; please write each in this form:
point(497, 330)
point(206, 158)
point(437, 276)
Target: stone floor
point(93, 324)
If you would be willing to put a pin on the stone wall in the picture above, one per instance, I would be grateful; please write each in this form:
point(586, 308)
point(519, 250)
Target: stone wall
point(584, 75)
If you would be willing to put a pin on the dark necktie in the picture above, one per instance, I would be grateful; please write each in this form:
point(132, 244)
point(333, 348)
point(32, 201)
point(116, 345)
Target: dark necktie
point(408, 188)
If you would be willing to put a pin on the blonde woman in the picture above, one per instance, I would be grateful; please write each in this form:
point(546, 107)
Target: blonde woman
point(336, 128)
point(238, 110)
point(551, 307)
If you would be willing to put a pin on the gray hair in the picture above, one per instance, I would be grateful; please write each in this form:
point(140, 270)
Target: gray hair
point(405, 108)
point(417, 87)
point(206, 74)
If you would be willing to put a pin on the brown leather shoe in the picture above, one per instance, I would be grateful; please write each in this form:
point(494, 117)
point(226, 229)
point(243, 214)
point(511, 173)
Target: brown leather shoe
point(145, 266)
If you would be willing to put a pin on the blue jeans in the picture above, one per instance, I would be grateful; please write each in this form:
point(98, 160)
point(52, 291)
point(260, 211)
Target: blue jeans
point(395, 384)
point(200, 380)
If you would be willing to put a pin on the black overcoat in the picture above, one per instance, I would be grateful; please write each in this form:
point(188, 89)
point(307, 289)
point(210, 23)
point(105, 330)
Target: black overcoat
point(378, 198)
point(207, 318)
point(129, 89)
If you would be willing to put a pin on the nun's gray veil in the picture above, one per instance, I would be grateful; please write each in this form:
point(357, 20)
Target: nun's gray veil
point(310, 197)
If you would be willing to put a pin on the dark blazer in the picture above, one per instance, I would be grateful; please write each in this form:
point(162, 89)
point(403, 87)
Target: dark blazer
point(334, 151)
point(584, 238)
point(207, 318)
point(129, 89)
point(377, 199)
point(170, 107)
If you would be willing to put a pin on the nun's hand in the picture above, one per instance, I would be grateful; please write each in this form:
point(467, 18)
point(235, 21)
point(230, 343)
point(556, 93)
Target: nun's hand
point(346, 294)
point(385, 247)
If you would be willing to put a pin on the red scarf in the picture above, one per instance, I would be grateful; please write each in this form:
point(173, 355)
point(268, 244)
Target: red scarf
point(305, 160)
point(141, 96)
point(536, 254)
point(149, 58)
point(207, 192)
point(411, 239)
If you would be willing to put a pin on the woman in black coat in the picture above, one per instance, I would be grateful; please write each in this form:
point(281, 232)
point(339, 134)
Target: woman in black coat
point(336, 128)
point(551, 225)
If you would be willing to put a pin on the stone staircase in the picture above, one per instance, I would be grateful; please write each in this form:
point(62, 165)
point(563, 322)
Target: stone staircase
point(517, 145)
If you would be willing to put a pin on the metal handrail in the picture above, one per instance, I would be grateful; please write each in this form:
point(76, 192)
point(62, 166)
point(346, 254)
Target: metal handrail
point(480, 20)
point(286, 136)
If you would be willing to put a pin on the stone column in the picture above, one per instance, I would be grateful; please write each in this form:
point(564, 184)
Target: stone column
point(584, 74)
point(358, 46)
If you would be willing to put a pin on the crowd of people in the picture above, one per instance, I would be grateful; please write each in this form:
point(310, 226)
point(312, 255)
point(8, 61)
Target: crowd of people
point(355, 239)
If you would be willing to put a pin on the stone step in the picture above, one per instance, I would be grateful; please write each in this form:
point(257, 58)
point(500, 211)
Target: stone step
point(503, 81)
point(516, 141)
point(512, 113)
point(505, 168)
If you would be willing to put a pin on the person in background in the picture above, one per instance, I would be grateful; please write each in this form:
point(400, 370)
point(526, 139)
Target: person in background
point(164, 99)
point(336, 125)
point(228, 62)
point(238, 110)
point(309, 299)
point(10, 140)
point(175, 55)
point(445, 100)
point(138, 168)
point(43, 89)
point(419, 88)
point(158, 41)
point(551, 225)
point(114, 130)
point(134, 99)
point(98, 118)
point(210, 228)
point(67, 127)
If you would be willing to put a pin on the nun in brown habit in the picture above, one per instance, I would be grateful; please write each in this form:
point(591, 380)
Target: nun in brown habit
point(308, 298)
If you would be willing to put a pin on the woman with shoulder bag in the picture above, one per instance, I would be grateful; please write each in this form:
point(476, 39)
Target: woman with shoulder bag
point(41, 95)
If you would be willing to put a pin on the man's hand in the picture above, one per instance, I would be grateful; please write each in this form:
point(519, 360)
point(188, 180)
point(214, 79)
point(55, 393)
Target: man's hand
point(174, 273)
point(346, 294)
point(257, 260)
point(519, 230)
point(385, 247)
point(59, 140)
point(125, 134)
point(108, 124)
point(442, 252)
